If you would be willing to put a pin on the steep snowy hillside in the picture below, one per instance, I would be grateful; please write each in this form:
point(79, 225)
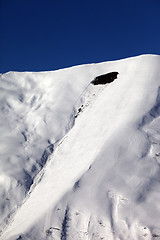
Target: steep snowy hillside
point(81, 161)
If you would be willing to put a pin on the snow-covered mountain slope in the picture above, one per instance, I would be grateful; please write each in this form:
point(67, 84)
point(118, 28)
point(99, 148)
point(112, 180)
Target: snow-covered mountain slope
point(80, 161)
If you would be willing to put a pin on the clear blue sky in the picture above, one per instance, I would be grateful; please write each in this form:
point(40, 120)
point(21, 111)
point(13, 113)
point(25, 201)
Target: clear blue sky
point(41, 35)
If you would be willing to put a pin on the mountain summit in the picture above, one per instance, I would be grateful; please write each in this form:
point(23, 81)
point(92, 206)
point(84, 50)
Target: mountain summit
point(79, 154)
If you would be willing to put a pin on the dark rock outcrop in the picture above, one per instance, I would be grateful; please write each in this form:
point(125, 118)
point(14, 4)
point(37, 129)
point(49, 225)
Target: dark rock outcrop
point(106, 78)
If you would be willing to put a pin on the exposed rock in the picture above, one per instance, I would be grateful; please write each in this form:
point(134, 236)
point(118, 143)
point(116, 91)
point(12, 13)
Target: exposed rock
point(106, 78)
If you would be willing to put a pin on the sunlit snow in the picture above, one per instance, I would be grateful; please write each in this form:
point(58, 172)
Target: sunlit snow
point(81, 161)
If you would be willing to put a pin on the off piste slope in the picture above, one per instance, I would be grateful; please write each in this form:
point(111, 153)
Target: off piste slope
point(80, 161)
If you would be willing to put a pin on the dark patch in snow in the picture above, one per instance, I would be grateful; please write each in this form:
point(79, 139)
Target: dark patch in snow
point(79, 111)
point(155, 235)
point(76, 185)
point(9, 106)
point(89, 167)
point(65, 225)
point(101, 223)
point(33, 100)
point(88, 228)
point(105, 78)
point(21, 98)
point(55, 228)
point(47, 152)
point(19, 238)
point(140, 198)
point(33, 169)
point(25, 137)
point(38, 107)
point(48, 232)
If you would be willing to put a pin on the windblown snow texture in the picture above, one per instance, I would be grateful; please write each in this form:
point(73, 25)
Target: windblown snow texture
point(78, 160)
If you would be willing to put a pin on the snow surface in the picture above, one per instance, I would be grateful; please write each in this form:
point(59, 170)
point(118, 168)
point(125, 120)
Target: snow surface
point(79, 161)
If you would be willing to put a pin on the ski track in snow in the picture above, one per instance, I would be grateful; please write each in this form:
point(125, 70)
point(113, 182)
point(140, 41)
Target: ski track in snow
point(75, 198)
